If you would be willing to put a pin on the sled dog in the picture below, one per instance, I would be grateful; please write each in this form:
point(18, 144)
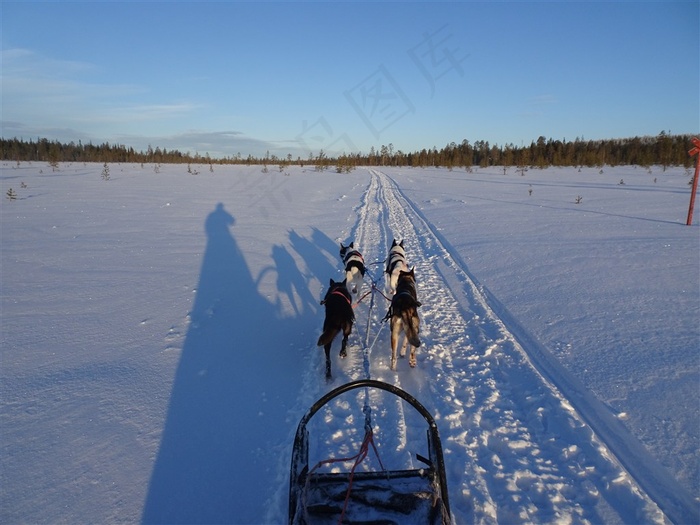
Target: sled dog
point(354, 266)
point(395, 263)
point(403, 314)
point(339, 317)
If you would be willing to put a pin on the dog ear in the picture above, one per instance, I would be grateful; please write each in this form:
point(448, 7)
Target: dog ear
point(401, 243)
point(352, 244)
point(332, 282)
point(393, 243)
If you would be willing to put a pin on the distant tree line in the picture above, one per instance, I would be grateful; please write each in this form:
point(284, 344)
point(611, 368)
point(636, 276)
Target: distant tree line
point(664, 149)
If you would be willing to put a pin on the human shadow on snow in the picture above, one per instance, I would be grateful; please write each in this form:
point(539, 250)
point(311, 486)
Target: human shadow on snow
point(235, 384)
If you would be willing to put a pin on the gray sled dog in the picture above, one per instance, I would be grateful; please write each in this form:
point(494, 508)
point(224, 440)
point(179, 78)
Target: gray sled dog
point(339, 317)
point(403, 314)
point(395, 263)
point(354, 266)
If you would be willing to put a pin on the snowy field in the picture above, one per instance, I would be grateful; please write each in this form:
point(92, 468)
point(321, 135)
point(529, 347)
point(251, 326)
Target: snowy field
point(159, 339)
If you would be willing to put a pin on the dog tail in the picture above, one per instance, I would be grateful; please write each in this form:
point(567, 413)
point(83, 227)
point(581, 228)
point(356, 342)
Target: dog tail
point(327, 336)
point(411, 326)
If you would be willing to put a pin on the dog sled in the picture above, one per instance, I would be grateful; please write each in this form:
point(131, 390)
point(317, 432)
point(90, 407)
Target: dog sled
point(417, 495)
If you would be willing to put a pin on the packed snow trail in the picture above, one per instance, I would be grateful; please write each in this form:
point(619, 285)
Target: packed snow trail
point(675, 502)
point(531, 456)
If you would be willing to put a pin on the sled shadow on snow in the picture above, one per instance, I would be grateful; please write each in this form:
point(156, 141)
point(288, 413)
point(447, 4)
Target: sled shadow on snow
point(235, 384)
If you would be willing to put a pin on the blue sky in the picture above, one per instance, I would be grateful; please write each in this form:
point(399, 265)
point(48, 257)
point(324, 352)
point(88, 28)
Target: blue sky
point(296, 77)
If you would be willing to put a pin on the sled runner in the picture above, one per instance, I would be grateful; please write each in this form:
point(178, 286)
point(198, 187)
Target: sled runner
point(385, 496)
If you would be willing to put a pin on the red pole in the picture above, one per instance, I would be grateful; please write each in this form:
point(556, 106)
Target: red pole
point(694, 151)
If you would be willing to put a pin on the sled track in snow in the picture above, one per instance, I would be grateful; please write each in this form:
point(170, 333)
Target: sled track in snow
point(673, 500)
point(530, 455)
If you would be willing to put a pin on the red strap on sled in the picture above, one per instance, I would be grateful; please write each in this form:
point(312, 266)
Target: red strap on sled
point(358, 458)
point(361, 455)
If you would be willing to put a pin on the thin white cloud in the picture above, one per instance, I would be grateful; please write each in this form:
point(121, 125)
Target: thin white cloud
point(537, 106)
point(218, 144)
point(43, 92)
point(143, 112)
point(540, 100)
point(13, 129)
point(18, 61)
point(60, 100)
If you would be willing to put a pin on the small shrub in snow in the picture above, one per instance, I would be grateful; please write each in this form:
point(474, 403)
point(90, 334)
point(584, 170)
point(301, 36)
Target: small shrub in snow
point(11, 194)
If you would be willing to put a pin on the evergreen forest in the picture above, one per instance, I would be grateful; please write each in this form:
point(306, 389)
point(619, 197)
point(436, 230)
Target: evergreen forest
point(664, 150)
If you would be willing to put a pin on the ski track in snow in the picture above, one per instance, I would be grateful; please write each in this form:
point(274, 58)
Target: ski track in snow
point(531, 456)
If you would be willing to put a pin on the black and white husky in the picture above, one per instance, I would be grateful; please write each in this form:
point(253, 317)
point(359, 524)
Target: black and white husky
point(339, 317)
point(395, 263)
point(403, 313)
point(354, 266)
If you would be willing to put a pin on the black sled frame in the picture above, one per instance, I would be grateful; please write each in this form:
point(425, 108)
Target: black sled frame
point(382, 497)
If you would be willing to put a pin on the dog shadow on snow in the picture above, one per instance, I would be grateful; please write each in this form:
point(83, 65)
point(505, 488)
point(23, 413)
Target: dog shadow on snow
point(235, 384)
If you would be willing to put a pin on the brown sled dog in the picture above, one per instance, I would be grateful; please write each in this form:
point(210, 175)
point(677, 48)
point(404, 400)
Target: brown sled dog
point(339, 317)
point(403, 313)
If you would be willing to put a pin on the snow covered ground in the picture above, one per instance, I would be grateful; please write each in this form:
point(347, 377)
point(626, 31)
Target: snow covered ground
point(159, 329)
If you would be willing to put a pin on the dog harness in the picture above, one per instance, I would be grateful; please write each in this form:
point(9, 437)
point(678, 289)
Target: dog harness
point(394, 259)
point(338, 292)
point(355, 259)
point(341, 294)
point(353, 255)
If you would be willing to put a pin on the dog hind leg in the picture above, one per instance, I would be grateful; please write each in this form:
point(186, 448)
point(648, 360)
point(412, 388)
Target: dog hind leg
point(327, 349)
point(347, 329)
point(349, 278)
point(354, 277)
point(395, 334)
point(412, 326)
point(343, 352)
point(412, 357)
